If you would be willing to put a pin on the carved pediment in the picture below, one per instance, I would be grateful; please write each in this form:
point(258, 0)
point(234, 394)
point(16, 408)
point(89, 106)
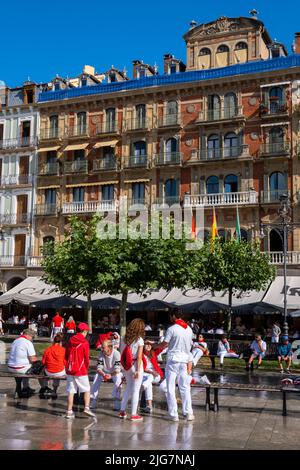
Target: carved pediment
point(222, 25)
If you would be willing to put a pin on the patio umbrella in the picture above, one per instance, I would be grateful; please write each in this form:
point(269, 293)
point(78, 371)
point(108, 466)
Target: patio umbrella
point(154, 304)
point(203, 306)
point(59, 302)
point(106, 302)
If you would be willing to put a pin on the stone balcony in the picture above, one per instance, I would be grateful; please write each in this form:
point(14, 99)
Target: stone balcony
point(89, 207)
point(221, 199)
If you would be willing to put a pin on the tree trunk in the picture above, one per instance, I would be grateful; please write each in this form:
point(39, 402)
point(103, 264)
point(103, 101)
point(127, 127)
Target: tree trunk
point(89, 311)
point(123, 314)
point(229, 312)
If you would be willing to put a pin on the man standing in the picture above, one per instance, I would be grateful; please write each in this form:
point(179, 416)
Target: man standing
point(276, 332)
point(22, 355)
point(77, 367)
point(57, 324)
point(178, 339)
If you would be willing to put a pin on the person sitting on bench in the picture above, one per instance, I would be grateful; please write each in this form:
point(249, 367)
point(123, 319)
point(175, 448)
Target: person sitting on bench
point(54, 362)
point(22, 355)
point(258, 347)
point(284, 351)
point(199, 349)
point(225, 351)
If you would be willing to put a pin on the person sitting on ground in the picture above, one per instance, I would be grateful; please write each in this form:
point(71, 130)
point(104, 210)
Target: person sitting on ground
point(108, 368)
point(258, 347)
point(199, 349)
point(152, 373)
point(77, 367)
point(284, 351)
point(21, 356)
point(224, 350)
point(70, 326)
point(54, 365)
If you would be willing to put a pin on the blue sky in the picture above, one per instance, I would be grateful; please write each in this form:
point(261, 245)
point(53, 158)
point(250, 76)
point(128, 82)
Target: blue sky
point(42, 39)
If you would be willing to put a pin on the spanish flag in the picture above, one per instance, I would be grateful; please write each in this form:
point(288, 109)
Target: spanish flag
point(214, 228)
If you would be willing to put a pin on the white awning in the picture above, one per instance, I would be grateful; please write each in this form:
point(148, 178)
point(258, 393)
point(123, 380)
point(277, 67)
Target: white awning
point(75, 147)
point(275, 294)
point(108, 143)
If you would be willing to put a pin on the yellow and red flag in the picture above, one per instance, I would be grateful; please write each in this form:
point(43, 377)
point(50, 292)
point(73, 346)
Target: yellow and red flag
point(214, 228)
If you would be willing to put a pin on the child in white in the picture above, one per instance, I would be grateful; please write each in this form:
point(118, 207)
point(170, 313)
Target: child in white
point(224, 350)
point(152, 373)
point(109, 367)
point(199, 348)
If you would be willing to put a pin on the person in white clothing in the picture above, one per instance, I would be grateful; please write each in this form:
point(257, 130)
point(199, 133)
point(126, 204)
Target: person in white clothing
point(22, 355)
point(152, 374)
point(132, 362)
point(199, 349)
point(258, 347)
point(276, 332)
point(109, 367)
point(224, 350)
point(178, 339)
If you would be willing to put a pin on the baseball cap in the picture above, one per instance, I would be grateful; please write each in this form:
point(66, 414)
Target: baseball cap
point(284, 338)
point(83, 327)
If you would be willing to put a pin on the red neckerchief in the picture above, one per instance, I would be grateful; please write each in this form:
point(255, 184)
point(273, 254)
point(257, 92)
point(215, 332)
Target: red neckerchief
point(182, 323)
point(23, 336)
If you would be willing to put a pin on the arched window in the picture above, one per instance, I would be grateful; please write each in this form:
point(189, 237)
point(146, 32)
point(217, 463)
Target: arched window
point(212, 185)
point(244, 235)
point(277, 185)
point(241, 45)
point(224, 234)
point(171, 191)
point(231, 184)
point(230, 105)
point(276, 99)
point(222, 56)
point(171, 149)
point(213, 146)
point(276, 240)
point(231, 145)
point(204, 59)
point(276, 140)
point(214, 107)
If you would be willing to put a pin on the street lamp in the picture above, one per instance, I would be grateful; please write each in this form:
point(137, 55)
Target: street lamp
point(285, 226)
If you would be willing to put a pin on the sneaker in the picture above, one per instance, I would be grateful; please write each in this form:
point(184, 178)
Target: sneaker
point(88, 412)
point(288, 371)
point(281, 371)
point(93, 404)
point(70, 415)
point(147, 410)
point(241, 356)
point(190, 417)
point(174, 418)
point(136, 418)
point(123, 415)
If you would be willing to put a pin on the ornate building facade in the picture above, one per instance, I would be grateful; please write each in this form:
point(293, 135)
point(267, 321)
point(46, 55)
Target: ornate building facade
point(221, 131)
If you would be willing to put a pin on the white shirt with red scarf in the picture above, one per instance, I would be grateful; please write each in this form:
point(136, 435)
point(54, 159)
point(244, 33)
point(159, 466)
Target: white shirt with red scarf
point(21, 349)
point(180, 341)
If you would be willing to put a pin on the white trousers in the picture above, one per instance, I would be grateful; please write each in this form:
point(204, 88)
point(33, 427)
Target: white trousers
point(223, 354)
point(55, 330)
point(197, 354)
point(116, 391)
point(178, 370)
point(148, 380)
point(132, 391)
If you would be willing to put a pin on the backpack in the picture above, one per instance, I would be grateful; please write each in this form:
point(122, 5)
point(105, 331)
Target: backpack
point(127, 360)
point(75, 362)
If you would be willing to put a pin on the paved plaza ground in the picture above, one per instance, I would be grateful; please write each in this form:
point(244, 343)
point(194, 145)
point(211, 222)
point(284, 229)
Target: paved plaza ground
point(245, 421)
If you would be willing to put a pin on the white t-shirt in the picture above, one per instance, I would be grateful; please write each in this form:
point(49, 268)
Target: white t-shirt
point(149, 364)
point(20, 350)
point(223, 347)
point(180, 342)
point(202, 344)
point(256, 348)
point(134, 347)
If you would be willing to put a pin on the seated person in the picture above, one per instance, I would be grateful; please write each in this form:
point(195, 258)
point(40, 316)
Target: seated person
point(54, 362)
point(199, 349)
point(152, 373)
point(258, 348)
point(109, 367)
point(284, 351)
point(224, 350)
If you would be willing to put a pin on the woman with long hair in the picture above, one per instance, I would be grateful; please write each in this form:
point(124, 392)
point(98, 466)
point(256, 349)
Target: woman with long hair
point(70, 325)
point(132, 361)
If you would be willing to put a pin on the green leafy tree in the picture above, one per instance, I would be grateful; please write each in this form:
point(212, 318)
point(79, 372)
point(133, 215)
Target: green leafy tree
point(233, 266)
point(79, 264)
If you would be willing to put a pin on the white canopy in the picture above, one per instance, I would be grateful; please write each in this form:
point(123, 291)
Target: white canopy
point(275, 293)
